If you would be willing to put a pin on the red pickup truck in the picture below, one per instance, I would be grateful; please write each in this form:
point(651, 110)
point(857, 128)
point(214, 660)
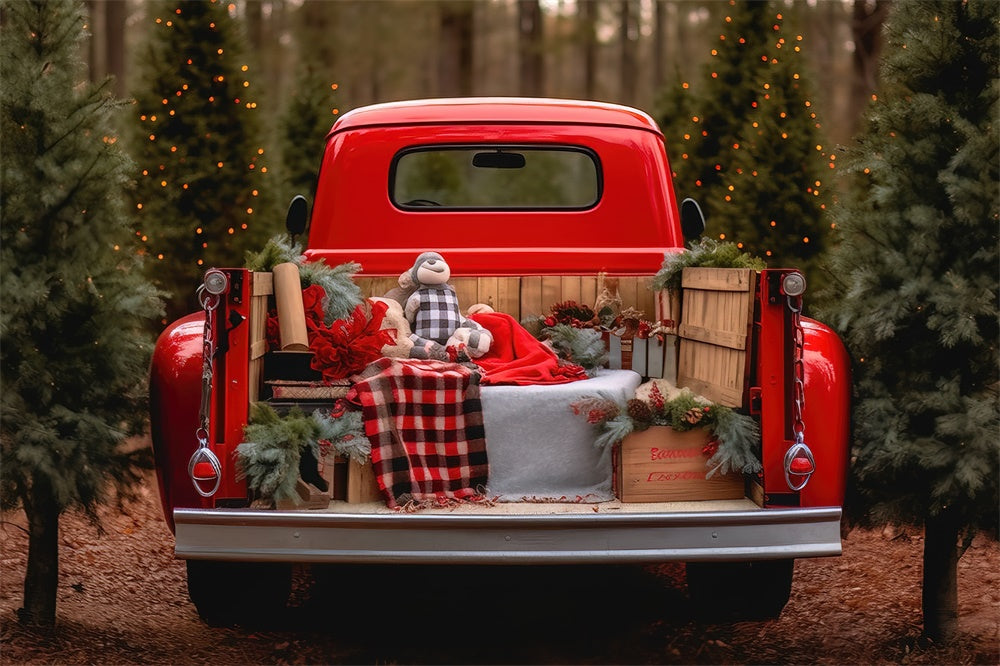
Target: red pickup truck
point(529, 200)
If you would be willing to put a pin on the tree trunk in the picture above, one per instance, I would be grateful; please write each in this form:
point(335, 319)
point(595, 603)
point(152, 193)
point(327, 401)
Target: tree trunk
point(940, 584)
point(660, 22)
point(455, 48)
point(629, 51)
point(529, 48)
point(42, 577)
point(587, 17)
point(866, 28)
point(114, 43)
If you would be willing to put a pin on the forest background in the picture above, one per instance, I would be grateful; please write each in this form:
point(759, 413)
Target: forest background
point(623, 51)
point(294, 66)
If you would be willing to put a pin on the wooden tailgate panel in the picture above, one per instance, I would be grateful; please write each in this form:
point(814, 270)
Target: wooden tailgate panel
point(716, 315)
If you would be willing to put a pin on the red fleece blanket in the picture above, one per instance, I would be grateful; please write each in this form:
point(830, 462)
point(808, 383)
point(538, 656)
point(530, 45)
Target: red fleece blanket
point(517, 357)
point(425, 423)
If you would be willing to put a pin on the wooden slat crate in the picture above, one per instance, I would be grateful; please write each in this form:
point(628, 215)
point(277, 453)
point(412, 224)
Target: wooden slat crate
point(716, 316)
point(661, 464)
point(361, 483)
point(261, 288)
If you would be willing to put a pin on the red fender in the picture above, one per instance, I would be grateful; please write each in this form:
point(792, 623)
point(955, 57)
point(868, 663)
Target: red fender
point(826, 413)
point(175, 397)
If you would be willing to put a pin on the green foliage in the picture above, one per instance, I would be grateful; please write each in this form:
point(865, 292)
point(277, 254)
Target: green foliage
point(704, 252)
point(272, 448)
point(345, 432)
point(750, 147)
point(202, 180)
point(343, 295)
point(738, 435)
point(582, 346)
point(73, 351)
point(306, 119)
point(917, 268)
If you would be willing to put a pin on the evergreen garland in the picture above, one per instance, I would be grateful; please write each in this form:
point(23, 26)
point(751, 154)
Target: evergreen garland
point(269, 458)
point(343, 295)
point(705, 253)
point(582, 346)
point(273, 445)
point(737, 435)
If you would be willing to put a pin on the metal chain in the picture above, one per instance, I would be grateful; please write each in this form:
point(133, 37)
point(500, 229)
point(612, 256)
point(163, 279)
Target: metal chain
point(798, 369)
point(799, 447)
point(209, 303)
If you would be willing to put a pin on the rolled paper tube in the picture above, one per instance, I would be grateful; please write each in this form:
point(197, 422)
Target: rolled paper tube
point(291, 311)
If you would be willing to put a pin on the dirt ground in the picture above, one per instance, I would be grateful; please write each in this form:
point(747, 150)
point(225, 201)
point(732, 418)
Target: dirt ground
point(122, 600)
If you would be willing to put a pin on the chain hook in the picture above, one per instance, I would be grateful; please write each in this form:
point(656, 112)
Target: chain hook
point(793, 286)
point(209, 294)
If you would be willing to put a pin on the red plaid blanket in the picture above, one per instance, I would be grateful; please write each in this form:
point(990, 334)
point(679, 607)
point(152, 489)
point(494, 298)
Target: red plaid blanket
point(425, 424)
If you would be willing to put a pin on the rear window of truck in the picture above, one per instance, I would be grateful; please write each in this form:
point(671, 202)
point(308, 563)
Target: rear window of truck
point(495, 177)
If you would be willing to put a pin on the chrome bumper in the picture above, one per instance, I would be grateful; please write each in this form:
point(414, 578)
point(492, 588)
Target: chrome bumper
point(290, 536)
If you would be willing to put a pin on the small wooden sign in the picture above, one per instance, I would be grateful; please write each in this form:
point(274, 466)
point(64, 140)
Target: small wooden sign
point(661, 464)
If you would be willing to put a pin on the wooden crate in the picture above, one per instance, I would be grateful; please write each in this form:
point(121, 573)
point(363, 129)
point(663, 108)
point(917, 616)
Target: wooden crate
point(716, 318)
point(661, 464)
point(261, 289)
point(361, 483)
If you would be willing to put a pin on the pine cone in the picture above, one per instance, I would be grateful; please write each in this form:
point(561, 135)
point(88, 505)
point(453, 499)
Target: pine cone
point(693, 415)
point(640, 411)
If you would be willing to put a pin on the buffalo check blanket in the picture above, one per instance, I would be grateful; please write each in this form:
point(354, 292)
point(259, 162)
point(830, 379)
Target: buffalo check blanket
point(425, 423)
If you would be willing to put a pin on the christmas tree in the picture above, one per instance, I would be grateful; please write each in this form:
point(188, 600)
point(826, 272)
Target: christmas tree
point(75, 305)
point(202, 191)
point(306, 120)
point(916, 300)
point(750, 149)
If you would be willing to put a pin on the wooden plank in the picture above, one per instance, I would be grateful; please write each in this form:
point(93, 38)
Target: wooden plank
point(509, 296)
point(717, 373)
point(569, 289)
point(361, 484)
point(467, 290)
point(551, 293)
point(531, 297)
point(713, 336)
point(588, 289)
point(716, 317)
point(644, 297)
point(717, 279)
point(263, 284)
point(261, 287)
point(375, 286)
point(486, 292)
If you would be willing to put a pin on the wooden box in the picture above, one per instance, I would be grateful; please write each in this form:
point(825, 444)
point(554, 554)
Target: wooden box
point(716, 320)
point(661, 464)
point(261, 289)
point(656, 358)
point(361, 484)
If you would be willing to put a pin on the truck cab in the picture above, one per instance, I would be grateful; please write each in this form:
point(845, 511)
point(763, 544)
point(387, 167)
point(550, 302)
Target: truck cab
point(533, 202)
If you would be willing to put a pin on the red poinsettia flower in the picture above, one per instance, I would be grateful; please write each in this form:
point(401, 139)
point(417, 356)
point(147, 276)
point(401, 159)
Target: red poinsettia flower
point(312, 301)
point(348, 345)
point(273, 331)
